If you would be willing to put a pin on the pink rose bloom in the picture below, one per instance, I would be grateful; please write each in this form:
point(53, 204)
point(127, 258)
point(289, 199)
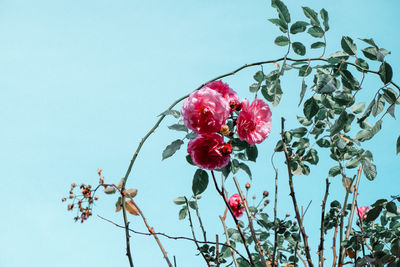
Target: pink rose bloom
point(205, 111)
point(228, 93)
point(362, 212)
point(254, 121)
point(209, 151)
point(236, 204)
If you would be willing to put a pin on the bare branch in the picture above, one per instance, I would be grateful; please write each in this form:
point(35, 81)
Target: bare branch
point(321, 244)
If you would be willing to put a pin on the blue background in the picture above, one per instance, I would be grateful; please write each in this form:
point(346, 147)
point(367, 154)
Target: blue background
point(81, 83)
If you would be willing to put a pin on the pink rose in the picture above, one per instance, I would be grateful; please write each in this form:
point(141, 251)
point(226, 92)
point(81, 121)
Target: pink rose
point(362, 212)
point(254, 121)
point(228, 93)
point(236, 204)
point(209, 151)
point(205, 111)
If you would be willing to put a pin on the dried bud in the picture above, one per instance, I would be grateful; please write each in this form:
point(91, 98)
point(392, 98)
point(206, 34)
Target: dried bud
point(224, 130)
point(101, 180)
point(265, 193)
point(70, 206)
point(287, 215)
point(71, 196)
point(266, 202)
point(96, 198)
point(63, 199)
point(99, 171)
point(73, 185)
point(247, 185)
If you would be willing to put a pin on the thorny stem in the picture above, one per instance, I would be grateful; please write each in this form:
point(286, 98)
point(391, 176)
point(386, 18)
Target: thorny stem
point(200, 222)
point(353, 205)
point(260, 250)
point(275, 212)
point(342, 212)
point(171, 237)
point(217, 250)
point(321, 244)
point(234, 218)
point(194, 235)
point(334, 243)
point(151, 231)
point(228, 241)
point(292, 194)
point(126, 223)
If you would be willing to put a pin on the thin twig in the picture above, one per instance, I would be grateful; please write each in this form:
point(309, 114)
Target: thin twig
point(260, 249)
point(334, 242)
point(292, 194)
point(234, 218)
point(301, 258)
point(127, 237)
point(353, 205)
point(275, 212)
point(217, 250)
point(321, 244)
point(200, 222)
point(151, 231)
point(227, 239)
point(194, 235)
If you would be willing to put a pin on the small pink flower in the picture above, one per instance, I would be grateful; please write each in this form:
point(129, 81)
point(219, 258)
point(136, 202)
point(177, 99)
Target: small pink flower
point(254, 121)
point(228, 93)
point(362, 212)
point(236, 204)
point(205, 111)
point(209, 151)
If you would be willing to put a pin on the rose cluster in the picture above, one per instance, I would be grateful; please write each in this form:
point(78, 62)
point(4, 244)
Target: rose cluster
point(207, 111)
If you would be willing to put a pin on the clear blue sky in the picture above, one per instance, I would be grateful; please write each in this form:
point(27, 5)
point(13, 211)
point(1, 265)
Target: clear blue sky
point(83, 81)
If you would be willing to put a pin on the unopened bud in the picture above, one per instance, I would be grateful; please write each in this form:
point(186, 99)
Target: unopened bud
point(70, 206)
point(224, 130)
point(63, 199)
point(96, 198)
point(265, 193)
point(287, 215)
point(247, 185)
point(226, 149)
point(294, 223)
point(266, 202)
point(73, 185)
point(71, 196)
point(101, 180)
point(254, 197)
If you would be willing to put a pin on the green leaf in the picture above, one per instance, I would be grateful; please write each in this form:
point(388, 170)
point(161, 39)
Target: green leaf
point(183, 213)
point(200, 182)
point(326, 83)
point(353, 163)
point(391, 207)
point(318, 45)
point(282, 10)
point(252, 153)
point(316, 32)
point(259, 76)
point(335, 170)
point(238, 145)
point(304, 121)
point(368, 41)
point(323, 142)
point(362, 64)
point(348, 45)
point(395, 249)
point(386, 73)
point(298, 26)
point(325, 18)
point(339, 123)
point(390, 110)
point(172, 112)
point(358, 108)
point(381, 54)
point(369, 170)
point(312, 156)
point(389, 95)
point(379, 105)
point(272, 92)
point(110, 190)
point(370, 52)
point(299, 132)
point(299, 48)
point(281, 40)
point(305, 70)
point(372, 214)
point(246, 168)
point(281, 24)
point(398, 145)
point(310, 108)
point(179, 201)
point(178, 127)
point(172, 148)
point(312, 15)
